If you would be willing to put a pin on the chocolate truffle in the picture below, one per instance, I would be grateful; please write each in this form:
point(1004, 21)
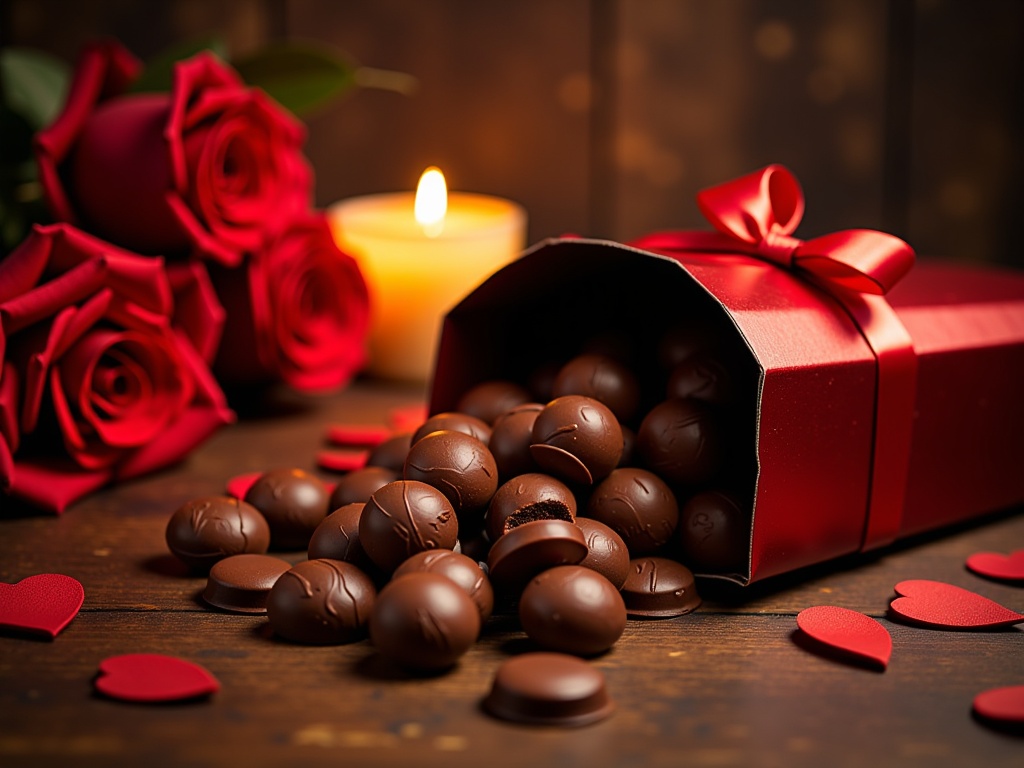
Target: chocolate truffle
point(533, 496)
point(548, 689)
point(602, 378)
point(628, 447)
point(337, 538)
point(577, 438)
point(638, 506)
point(458, 465)
point(490, 399)
point(659, 588)
point(358, 486)
point(293, 502)
point(572, 609)
point(424, 621)
point(391, 453)
point(456, 422)
point(533, 547)
point(681, 441)
point(678, 344)
point(321, 602)
point(203, 531)
point(241, 583)
point(702, 377)
point(606, 551)
point(510, 440)
point(714, 533)
point(464, 571)
point(403, 518)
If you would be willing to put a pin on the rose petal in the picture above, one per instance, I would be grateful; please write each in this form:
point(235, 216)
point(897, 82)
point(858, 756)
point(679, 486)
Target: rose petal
point(847, 631)
point(198, 312)
point(341, 460)
point(996, 565)
point(152, 677)
point(943, 605)
point(52, 484)
point(358, 434)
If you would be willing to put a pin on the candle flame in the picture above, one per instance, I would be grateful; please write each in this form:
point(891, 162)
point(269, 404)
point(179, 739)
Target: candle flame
point(431, 202)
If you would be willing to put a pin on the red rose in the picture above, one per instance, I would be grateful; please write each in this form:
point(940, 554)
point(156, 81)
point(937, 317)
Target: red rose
point(301, 304)
point(205, 168)
point(96, 384)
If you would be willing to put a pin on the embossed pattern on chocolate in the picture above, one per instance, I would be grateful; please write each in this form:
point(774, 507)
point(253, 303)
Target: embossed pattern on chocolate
point(403, 518)
point(203, 531)
point(321, 602)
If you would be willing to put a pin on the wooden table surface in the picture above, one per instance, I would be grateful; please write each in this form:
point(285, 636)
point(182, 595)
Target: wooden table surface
point(727, 685)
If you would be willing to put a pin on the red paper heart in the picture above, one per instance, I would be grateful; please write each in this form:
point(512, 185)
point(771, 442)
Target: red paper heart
point(943, 605)
point(239, 485)
point(358, 434)
point(152, 677)
point(996, 565)
point(342, 460)
point(42, 604)
point(847, 631)
point(1003, 704)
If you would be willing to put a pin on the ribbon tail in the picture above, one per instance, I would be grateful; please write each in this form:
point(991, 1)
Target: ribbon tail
point(861, 260)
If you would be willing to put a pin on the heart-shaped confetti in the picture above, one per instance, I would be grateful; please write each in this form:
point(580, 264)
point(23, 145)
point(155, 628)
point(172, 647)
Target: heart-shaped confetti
point(153, 677)
point(1003, 704)
point(239, 485)
point(943, 605)
point(996, 565)
point(358, 434)
point(848, 632)
point(43, 604)
point(342, 460)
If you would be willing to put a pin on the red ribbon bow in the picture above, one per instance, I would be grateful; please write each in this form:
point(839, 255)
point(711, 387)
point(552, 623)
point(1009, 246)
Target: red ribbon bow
point(756, 214)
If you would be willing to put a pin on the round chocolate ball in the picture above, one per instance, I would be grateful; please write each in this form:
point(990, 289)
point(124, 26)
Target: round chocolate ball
point(241, 583)
point(337, 538)
point(602, 378)
point(510, 440)
point(293, 502)
point(680, 343)
point(206, 530)
point(714, 533)
point(456, 422)
point(358, 486)
point(461, 569)
point(638, 506)
point(490, 399)
point(572, 609)
point(681, 441)
point(424, 621)
point(659, 588)
point(533, 496)
point(577, 438)
point(606, 551)
point(702, 377)
point(403, 518)
point(628, 448)
point(391, 453)
point(458, 465)
point(321, 602)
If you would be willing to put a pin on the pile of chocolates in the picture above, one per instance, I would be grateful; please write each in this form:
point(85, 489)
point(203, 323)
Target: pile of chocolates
point(563, 498)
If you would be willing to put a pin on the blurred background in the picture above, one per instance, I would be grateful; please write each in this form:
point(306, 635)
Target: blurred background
point(604, 117)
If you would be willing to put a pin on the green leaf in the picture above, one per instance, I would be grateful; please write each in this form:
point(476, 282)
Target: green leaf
point(300, 77)
point(158, 74)
point(34, 84)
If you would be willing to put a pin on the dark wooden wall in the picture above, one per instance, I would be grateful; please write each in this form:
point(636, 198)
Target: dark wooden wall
point(604, 117)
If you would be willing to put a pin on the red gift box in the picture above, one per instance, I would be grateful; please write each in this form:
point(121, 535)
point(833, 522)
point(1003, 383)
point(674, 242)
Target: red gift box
point(863, 418)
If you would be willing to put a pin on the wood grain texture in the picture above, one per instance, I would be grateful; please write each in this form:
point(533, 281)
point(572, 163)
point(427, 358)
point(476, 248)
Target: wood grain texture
point(728, 685)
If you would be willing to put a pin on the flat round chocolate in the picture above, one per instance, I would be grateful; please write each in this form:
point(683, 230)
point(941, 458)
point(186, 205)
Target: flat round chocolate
point(577, 438)
point(461, 569)
point(424, 621)
point(358, 486)
point(606, 551)
point(391, 453)
point(458, 465)
point(533, 547)
point(533, 496)
point(681, 441)
point(241, 583)
point(203, 531)
point(490, 399)
point(293, 502)
point(638, 506)
point(548, 689)
point(456, 422)
point(659, 588)
point(510, 441)
point(573, 609)
point(714, 533)
point(403, 518)
point(603, 378)
point(321, 602)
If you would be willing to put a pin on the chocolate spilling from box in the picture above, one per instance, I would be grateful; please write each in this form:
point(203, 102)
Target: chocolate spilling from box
point(810, 460)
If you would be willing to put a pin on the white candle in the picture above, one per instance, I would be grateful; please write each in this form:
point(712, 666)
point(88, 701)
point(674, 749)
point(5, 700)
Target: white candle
point(418, 270)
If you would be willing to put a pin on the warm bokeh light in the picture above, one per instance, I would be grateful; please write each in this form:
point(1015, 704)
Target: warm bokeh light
point(431, 202)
